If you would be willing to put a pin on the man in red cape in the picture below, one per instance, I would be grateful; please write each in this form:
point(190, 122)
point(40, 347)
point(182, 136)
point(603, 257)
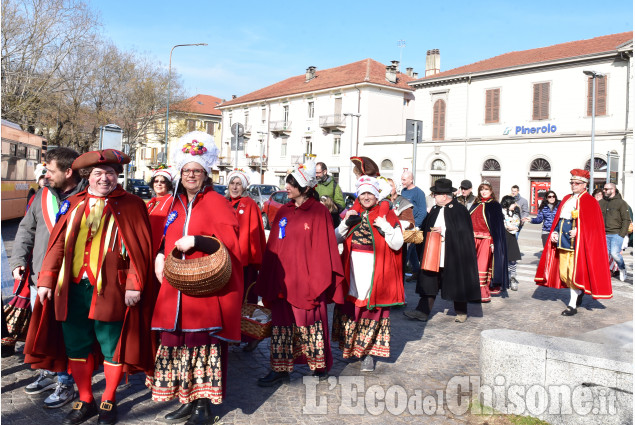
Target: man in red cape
point(94, 298)
point(576, 255)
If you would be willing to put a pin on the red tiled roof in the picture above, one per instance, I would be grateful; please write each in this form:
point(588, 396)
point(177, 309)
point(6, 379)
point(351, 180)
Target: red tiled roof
point(199, 104)
point(607, 43)
point(364, 71)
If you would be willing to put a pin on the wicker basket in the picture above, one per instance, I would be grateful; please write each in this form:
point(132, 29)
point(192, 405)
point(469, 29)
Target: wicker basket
point(199, 277)
point(250, 327)
point(413, 236)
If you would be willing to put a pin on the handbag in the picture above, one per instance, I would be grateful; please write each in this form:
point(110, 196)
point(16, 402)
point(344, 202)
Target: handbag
point(432, 252)
point(18, 311)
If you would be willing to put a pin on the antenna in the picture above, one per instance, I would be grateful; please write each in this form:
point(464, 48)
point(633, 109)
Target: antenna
point(401, 44)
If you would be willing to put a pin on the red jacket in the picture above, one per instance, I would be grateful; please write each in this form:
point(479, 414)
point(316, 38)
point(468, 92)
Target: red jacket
point(590, 268)
point(387, 288)
point(219, 313)
point(136, 347)
point(158, 209)
point(302, 262)
point(251, 234)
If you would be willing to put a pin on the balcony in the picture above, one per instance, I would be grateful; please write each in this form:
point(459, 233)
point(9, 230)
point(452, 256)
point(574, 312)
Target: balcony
point(257, 161)
point(280, 128)
point(247, 133)
point(333, 123)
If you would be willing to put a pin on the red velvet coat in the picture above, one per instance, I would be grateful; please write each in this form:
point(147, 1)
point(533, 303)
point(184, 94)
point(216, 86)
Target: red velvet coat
point(219, 313)
point(304, 264)
point(387, 288)
point(136, 349)
point(590, 271)
point(158, 209)
point(251, 233)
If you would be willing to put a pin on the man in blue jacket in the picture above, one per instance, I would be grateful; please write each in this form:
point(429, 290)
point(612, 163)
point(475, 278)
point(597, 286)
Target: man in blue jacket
point(418, 200)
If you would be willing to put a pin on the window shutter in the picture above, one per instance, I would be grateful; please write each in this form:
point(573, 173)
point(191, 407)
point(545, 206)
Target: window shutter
point(589, 97)
point(488, 106)
point(541, 101)
point(492, 99)
point(496, 105)
point(600, 96)
point(536, 110)
point(438, 120)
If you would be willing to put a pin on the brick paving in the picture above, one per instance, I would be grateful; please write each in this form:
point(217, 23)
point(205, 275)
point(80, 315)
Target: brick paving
point(424, 357)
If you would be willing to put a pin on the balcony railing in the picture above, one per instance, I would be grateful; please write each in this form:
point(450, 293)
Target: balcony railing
point(280, 128)
point(329, 121)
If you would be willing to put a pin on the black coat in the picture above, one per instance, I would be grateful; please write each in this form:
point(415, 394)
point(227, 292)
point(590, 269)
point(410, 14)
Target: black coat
point(459, 276)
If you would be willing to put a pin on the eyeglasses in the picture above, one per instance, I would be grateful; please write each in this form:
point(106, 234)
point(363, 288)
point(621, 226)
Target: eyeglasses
point(606, 188)
point(197, 172)
point(160, 182)
point(462, 188)
point(550, 196)
point(576, 183)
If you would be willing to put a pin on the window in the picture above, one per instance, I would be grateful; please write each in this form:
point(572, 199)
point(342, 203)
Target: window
point(438, 165)
point(386, 164)
point(209, 127)
point(311, 111)
point(191, 125)
point(491, 165)
point(599, 165)
point(283, 149)
point(541, 101)
point(263, 117)
point(492, 105)
point(438, 120)
point(153, 153)
point(286, 114)
point(337, 143)
point(309, 146)
point(600, 96)
point(246, 119)
point(540, 164)
point(143, 153)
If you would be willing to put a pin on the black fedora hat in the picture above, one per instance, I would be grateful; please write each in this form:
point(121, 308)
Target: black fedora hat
point(443, 186)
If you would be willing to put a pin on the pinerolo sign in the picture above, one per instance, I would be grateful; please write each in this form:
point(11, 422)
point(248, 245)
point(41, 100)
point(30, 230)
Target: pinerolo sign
point(520, 130)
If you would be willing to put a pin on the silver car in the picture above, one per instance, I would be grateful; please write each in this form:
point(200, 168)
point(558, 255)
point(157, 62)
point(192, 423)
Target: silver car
point(261, 192)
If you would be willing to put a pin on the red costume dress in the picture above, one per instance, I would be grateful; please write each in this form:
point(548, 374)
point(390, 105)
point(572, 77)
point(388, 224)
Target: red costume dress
point(373, 283)
point(301, 273)
point(191, 362)
point(590, 257)
point(158, 209)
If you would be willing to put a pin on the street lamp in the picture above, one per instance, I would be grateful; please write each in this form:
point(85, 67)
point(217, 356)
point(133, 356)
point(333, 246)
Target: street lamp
point(167, 111)
point(593, 76)
point(352, 114)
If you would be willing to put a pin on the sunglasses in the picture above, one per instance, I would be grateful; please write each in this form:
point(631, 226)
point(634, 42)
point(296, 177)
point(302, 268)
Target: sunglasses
point(606, 188)
point(576, 183)
point(550, 196)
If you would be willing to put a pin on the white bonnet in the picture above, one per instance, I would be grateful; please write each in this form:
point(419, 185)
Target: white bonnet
point(367, 184)
point(304, 174)
point(195, 146)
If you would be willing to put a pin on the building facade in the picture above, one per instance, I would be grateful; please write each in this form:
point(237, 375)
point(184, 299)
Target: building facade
point(325, 114)
point(525, 118)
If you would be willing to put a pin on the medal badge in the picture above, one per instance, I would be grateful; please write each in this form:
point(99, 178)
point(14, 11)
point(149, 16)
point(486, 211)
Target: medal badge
point(171, 217)
point(282, 224)
point(63, 210)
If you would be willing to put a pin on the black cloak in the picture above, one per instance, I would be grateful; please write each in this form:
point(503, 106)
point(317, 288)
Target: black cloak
point(459, 277)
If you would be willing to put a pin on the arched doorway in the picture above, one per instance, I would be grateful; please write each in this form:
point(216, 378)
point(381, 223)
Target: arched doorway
point(492, 173)
point(539, 182)
point(386, 169)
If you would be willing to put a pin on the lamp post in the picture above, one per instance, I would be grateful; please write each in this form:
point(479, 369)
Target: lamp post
point(593, 76)
point(167, 110)
point(352, 114)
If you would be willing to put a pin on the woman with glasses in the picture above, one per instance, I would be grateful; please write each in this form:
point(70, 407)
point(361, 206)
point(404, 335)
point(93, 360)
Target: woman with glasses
point(491, 247)
point(191, 361)
point(546, 213)
point(159, 206)
point(251, 236)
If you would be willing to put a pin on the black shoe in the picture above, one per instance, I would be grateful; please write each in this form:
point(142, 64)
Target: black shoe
point(251, 346)
point(578, 302)
point(107, 413)
point(321, 374)
point(202, 414)
point(273, 378)
point(8, 350)
point(82, 411)
point(570, 311)
point(180, 414)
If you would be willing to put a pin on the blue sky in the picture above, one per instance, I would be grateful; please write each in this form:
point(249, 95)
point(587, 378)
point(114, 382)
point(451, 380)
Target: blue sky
point(253, 44)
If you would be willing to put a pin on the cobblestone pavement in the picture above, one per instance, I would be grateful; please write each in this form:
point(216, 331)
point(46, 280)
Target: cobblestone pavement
point(424, 356)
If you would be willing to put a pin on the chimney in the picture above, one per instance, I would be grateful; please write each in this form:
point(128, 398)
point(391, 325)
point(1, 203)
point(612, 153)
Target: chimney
point(395, 64)
point(409, 72)
point(233, 96)
point(391, 73)
point(415, 75)
point(433, 62)
point(310, 73)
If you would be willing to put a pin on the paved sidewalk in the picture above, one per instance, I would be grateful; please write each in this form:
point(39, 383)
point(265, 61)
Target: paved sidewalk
point(424, 357)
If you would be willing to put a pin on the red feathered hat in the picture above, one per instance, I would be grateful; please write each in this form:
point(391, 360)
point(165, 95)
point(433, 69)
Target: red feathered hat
point(582, 175)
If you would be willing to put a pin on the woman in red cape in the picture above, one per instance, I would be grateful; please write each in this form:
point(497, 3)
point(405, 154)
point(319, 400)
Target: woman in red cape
point(191, 362)
point(577, 262)
point(301, 273)
point(373, 277)
point(251, 236)
point(159, 206)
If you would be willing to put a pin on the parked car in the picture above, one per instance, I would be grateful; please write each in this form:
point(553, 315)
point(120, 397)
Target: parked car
point(221, 189)
point(261, 192)
point(139, 187)
point(271, 206)
point(349, 200)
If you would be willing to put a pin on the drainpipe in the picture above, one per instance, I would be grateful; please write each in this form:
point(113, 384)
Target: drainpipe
point(628, 58)
point(359, 99)
point(467, 108)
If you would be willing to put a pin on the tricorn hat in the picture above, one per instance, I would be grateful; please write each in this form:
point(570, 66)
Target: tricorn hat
point(367, 166)
point(443, 186)
point(97, 158)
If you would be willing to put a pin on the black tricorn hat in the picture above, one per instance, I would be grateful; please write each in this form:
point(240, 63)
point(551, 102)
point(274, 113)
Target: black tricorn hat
point(443, 186)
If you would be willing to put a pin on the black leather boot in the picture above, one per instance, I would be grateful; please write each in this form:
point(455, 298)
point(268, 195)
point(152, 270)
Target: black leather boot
point(202, 414)
point(183, 412)
point(273, 378)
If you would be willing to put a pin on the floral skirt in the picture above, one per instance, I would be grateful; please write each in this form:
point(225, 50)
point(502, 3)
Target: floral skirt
point(360, 331)
point(189, 365)
point(299, 336)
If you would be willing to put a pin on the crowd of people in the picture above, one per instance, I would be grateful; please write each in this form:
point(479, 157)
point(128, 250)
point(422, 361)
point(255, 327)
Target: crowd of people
point(159, 288)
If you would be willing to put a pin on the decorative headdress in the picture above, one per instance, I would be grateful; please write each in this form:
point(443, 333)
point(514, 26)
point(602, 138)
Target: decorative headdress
point(196, 146)
point(241, 174)
point(385, 188)
point(304, 174)
point(582, 175)
point(367, 184)
point(39, 172)
point(97, 158)
point(167, 172)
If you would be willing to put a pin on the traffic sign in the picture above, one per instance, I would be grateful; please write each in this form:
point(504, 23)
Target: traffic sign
point(238, 129)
